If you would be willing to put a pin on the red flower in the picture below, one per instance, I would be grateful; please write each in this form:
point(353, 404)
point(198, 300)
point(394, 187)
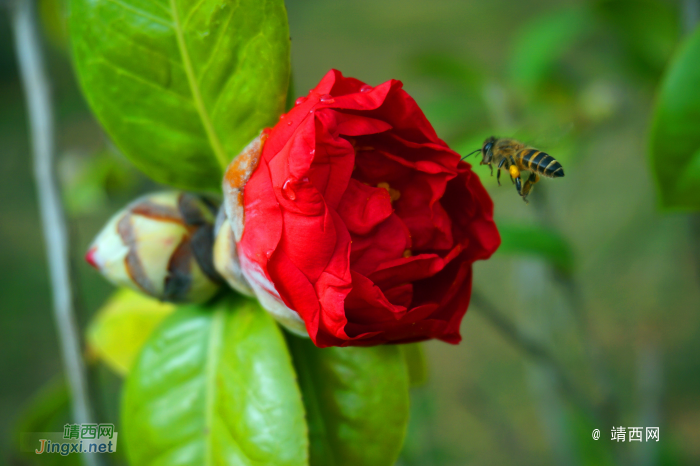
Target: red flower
point(359, 219)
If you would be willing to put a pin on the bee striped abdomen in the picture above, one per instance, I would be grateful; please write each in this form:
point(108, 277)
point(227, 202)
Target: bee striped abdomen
point(541, 163)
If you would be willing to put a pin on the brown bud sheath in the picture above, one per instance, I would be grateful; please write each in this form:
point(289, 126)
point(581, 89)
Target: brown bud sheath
point(160, 245)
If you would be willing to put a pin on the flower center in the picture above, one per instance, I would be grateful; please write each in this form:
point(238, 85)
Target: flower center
point(394, 194)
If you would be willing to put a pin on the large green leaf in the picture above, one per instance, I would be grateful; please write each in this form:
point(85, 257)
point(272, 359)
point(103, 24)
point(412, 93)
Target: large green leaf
point(182, 86)
point(356, 401)
point(121, 327)
point(675, 132)
point(538, 242)
point(215, 386)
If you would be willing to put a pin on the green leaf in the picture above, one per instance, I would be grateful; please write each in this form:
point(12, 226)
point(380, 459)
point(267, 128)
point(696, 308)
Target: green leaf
point(538, 242)
point(416, 363)
point(182, 86)
point(121, 327)
point(356, 401)
point(215, 386)
point(675, 132)
point(541, 42)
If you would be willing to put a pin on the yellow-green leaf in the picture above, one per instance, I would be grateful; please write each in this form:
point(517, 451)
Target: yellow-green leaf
point(122, 326)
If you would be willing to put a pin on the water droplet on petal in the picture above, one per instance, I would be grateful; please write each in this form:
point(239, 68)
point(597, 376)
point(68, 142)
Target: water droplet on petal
point(366, 88)
point(269, 253)
point(289, 123)
point(300, 101)
point(312, 152)
point(288, 190)
point(305, 179)
point(311, 111)
point(282, 117)
point(327, 98)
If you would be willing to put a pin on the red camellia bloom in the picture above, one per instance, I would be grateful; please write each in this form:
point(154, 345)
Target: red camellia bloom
point(358, 220)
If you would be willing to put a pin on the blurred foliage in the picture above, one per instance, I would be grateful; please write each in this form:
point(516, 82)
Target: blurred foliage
point(540, 43)
point(47, 411)
point(647, 29)
point(90, 181)
point(675, 132)
point(416, 363)
point(539, 242)
point(53, 17)
point(122, 326)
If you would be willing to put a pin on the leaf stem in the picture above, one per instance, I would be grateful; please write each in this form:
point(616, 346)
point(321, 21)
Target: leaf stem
point(37, 94)
point(196, 94)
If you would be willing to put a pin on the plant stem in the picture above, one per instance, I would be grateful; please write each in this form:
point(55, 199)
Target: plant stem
point(53, 222)
point(532, 348)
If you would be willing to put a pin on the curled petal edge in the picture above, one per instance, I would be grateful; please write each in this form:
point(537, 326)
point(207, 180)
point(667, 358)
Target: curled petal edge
point(243, 275)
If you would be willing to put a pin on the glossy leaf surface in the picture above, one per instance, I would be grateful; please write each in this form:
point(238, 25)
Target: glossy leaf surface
point(182, 86)
point(215, 386)
point(675, 132)
point(356, 401)
point(122, 326)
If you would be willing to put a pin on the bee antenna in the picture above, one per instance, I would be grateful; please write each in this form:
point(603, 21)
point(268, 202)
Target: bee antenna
point(473, 152)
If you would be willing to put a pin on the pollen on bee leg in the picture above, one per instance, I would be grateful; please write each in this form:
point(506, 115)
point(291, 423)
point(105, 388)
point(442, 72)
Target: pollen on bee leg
point(514, 172)
point(394, 194)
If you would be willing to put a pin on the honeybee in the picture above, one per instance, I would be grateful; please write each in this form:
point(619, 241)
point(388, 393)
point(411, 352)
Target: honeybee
point(516, 157)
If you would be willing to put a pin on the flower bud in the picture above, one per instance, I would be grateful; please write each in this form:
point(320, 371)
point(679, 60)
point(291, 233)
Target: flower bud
point(160, 245)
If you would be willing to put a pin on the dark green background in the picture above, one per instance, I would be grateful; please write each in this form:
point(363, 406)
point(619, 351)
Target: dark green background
point(574, 78)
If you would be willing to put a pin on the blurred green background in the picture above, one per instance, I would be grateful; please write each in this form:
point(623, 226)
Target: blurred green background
point(591, 270)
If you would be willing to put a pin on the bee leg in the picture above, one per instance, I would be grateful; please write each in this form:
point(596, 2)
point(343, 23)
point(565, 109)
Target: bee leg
point(515, 174)
point(534, 178)
point(491, 167)
point(498, 176)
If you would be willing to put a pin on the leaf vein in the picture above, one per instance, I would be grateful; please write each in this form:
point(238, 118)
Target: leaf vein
point(215, 50)
point(141, 12)
point(141, 79)
point(217, 148)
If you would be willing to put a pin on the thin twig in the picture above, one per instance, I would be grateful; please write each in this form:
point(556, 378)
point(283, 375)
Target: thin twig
point(41, 125)
point(531, 347)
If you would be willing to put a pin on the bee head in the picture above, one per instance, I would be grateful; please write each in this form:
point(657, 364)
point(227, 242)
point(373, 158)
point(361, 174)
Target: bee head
point(486, 152)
